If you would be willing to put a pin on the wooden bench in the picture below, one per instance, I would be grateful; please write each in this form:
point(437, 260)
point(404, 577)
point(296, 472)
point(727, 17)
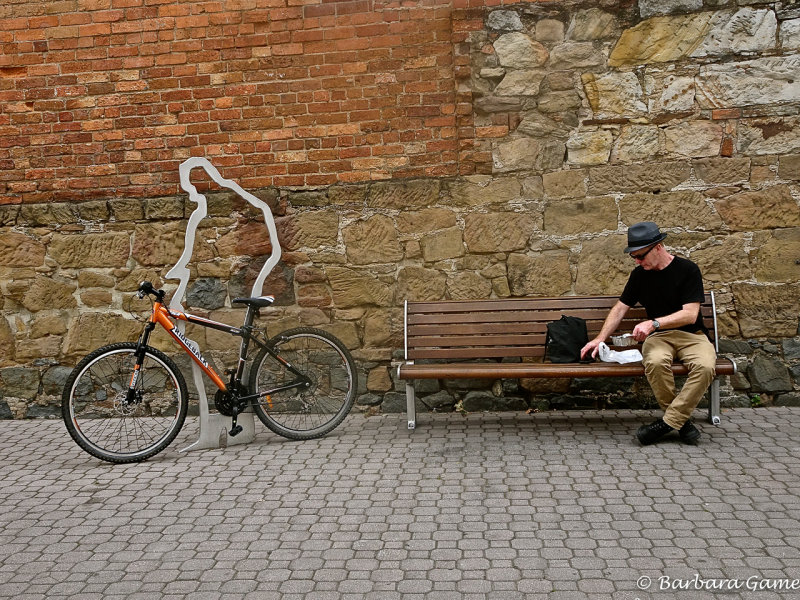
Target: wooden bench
point(444, 339)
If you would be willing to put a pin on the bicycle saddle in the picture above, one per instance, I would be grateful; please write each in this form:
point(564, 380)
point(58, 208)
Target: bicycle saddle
point(259, 302)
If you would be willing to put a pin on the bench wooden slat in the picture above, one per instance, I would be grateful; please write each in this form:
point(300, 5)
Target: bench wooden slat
point(539, 370)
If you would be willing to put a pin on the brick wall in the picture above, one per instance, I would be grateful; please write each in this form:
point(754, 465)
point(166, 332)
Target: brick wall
point(104, 98)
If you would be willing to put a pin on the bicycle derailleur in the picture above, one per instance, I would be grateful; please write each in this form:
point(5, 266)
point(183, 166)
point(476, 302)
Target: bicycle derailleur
point(232, 403)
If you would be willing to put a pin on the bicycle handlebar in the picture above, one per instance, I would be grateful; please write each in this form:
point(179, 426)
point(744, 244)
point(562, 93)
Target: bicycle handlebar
point(146, 288)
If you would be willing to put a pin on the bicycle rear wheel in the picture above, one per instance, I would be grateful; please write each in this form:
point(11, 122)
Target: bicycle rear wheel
point(104, 423)
point(304, 412)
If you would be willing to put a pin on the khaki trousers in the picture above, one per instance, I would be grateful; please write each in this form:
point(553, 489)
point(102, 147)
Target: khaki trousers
point(694, 350)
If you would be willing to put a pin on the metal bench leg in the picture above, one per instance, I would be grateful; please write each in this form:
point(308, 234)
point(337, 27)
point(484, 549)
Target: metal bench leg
point(713, 403)
point(411, 405)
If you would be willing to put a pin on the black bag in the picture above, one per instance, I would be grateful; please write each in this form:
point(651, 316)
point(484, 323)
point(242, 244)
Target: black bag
point(564, 340)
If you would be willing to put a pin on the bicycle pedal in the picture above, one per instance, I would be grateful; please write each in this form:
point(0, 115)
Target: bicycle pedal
point(235, 431)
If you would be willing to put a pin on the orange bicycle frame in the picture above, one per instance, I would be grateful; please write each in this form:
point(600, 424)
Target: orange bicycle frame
point(161, 315)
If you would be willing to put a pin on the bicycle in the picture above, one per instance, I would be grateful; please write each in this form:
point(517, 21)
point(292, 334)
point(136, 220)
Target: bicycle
point(126, 402)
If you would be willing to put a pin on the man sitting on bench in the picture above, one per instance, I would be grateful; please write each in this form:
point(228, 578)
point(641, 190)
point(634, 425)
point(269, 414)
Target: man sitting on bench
point(670, 288)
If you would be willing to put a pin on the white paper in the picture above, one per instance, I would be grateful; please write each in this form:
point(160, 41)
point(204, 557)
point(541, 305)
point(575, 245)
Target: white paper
point(624, 356)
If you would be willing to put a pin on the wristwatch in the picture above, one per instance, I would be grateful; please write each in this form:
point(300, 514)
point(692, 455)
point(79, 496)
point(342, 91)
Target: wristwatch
point(656, 324)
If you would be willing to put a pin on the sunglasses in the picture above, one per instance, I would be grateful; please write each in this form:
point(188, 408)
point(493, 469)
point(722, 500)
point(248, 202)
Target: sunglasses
point(643, 254)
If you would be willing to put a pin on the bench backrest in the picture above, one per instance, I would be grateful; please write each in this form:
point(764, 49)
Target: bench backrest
point(512, 327)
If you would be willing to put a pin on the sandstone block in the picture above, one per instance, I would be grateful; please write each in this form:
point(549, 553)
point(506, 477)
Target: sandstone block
point(19, 250)
point(126, 209)
point(722, 170)
point(379, 327)
point(760, 81)
point(442, 245)
point(650, 8)
point(425, 221)
point(768, 136)
point(647, 177)
point(313, 229)
point(661, 39)
point(592, 24)
point(545, 274)
point(468, 286)
point(789, 167)
point(549, 30)
point(589, 215)
point(526, 154)
point(520, 83)
point(565, 184)
point(46, 214)
point(765, 311)
point(762, 209)
point(353, 288)
point(518, 51)
point(161, 244)
point(636, 143)
point(776, 255)
point(378, 380)
point(403, 195)
point(314, 294)
point(589, 147)
point(559, 101)
point(92, 330)
point(479, 191)
point(247, 239)
point(7, 343)
point(504, 20)
point(571, 56)
point(356, 194)
point(96, 298)
point(39, 348)
point(164, 208)
point(129, 281)
point(46, 293)
point(744, 30)
point(725, 261)
point(96, 211)
point(415, 283)
point(88, 279)
point(696, 139)
point(790, 34)
point(671, 209)
point(90, 250)
point(279, 282)
point(46, 323)
point(372, 241)
point(670, 93)
point(614, 94)
point(498, 232)
point(603, 267)
point(541, 126)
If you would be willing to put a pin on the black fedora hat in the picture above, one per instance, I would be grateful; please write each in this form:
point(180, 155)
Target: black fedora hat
point(642, 235)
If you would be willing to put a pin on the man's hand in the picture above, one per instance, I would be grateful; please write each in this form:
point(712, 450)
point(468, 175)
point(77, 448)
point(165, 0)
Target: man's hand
point(591, 347)
point(642, 330)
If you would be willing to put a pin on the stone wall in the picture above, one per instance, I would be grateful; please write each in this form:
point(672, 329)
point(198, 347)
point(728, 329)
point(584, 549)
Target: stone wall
point(574, 119)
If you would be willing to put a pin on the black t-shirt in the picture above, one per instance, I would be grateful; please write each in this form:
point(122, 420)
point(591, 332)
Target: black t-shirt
point(665, 292)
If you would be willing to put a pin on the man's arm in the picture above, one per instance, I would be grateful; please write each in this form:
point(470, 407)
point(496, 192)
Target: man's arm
point(610, 325)
point(685, 316)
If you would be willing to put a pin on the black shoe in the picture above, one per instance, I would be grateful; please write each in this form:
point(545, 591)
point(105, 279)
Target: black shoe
point(650, 434)
point(689, 434)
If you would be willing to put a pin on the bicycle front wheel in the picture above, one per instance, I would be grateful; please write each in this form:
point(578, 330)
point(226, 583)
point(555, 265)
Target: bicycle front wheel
point(113, 425)
point(316, 407)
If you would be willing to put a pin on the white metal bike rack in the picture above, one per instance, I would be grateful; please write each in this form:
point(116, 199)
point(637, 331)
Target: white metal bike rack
point(214, 426)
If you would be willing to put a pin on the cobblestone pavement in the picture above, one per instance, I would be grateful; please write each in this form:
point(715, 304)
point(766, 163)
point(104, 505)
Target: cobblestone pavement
point(492, 506)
